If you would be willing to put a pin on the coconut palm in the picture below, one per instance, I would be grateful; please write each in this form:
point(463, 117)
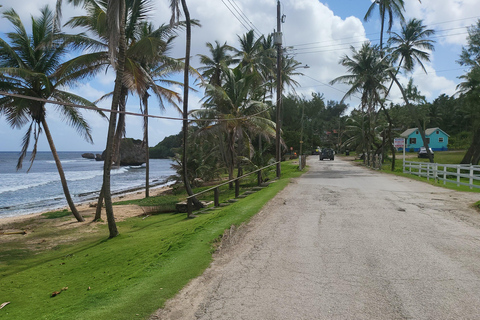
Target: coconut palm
point(368, 73)
point(214, 65)
point(409, 47)
point(392, 8)
point(29, 66)
point(175, 7)
point(241, 114)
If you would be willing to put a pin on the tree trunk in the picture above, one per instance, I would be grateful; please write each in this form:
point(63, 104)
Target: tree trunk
point(473, 153)
point(98, 211)
point(186, 87)
point(117, 91)
point(63, 180)
point(145, 141)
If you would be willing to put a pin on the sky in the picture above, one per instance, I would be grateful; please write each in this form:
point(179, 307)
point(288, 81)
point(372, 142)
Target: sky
point(316, 33)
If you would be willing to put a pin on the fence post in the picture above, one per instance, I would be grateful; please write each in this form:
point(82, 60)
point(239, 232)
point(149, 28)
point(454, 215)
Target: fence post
point(237, 188)
point(216, 201)
point(471, 177)
point(435, 172)
point(458, 176)
point(189, 207)
point(444, 175)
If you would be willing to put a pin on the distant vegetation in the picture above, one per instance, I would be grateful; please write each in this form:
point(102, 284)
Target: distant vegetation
point(165, 148)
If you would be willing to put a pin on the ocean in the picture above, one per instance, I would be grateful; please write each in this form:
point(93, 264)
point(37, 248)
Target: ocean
point(40, 189)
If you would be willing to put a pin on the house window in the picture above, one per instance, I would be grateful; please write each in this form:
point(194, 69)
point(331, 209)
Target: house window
point(416, 132)
point(428, 140)
point(440, 139)
point(438, 132)
point(413, 141)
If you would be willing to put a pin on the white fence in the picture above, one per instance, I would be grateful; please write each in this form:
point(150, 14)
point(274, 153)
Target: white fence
point(445, 172)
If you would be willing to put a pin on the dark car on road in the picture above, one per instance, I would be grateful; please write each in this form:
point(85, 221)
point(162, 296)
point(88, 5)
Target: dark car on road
point(327, 154)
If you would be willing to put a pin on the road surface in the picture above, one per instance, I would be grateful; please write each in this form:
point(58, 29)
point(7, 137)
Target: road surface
point(346, 242)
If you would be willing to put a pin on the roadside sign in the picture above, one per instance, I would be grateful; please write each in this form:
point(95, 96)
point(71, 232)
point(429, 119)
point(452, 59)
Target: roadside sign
point(399, 142)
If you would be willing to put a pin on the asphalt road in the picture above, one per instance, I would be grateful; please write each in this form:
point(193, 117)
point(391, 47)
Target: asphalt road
point(346, 242)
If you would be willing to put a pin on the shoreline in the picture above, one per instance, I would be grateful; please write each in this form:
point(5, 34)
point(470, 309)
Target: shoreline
point(86, 208)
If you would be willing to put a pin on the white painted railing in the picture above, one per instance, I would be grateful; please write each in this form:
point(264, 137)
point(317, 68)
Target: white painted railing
point(445, 172)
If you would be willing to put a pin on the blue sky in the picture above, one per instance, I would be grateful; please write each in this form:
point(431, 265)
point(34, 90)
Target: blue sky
point(317, 33)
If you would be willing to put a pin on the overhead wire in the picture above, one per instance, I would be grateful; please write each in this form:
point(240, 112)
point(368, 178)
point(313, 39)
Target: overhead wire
point(95, 108)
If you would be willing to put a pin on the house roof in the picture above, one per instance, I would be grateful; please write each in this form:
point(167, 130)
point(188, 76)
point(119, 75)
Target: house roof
point(428, 132)
point(407, 132)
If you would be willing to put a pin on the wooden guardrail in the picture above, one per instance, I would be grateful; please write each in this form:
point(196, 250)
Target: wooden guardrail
point(216, 193)
point(445, 172)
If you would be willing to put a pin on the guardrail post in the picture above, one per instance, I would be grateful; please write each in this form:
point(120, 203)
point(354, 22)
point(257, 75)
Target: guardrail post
point(216, 201)
point(237, 188)
point(259, 177)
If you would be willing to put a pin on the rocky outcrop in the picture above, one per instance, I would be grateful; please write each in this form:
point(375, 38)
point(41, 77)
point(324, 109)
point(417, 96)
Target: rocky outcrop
point(88, 156)
point(132, 152)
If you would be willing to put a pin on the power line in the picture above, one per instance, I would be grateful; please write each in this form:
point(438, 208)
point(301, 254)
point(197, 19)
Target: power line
point(249, 25)
point(95, 108)
point(244, 16)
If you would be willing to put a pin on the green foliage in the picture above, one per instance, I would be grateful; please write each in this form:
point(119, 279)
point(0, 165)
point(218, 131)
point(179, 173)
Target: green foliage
point(127, 277)
point(165, 148)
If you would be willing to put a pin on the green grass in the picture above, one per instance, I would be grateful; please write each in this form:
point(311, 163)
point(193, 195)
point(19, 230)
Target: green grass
point(57, 214)
point(127, 277)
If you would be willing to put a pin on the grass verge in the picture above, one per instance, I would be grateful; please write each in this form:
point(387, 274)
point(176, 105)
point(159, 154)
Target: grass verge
point(127, 277)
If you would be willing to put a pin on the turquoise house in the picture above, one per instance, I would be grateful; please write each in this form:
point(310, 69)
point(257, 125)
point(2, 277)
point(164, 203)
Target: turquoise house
point(437, 139)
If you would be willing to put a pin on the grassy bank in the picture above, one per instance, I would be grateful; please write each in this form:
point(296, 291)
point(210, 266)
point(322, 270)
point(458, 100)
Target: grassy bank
point(127, 277)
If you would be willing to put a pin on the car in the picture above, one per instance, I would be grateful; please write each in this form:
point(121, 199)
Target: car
point(422, 153)
point(327, 153)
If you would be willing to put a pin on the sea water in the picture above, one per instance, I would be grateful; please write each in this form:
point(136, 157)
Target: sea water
point(39, 189)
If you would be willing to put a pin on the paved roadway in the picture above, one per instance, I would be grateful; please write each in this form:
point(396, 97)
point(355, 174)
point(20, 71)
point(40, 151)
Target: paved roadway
point(346, 242)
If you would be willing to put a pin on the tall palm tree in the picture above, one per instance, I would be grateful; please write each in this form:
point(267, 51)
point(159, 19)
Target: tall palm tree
point(368, 73)
point(175, 7)
point(392, 8)
point(30, 67)
point(409, 47)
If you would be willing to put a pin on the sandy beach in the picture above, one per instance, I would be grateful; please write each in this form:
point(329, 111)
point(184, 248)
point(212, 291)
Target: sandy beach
point(88, 209)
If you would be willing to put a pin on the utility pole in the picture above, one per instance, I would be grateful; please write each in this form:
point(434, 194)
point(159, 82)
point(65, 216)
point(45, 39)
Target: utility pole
point(277, 38)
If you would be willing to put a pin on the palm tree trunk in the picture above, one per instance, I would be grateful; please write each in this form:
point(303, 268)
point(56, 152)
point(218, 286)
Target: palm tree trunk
point(98, 211)
point(145, 141)
point(63, 180)
point(186, 87)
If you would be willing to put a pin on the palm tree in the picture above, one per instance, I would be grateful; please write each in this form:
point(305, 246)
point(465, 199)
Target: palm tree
point(368, 73)
point(214, 65)
point(175, 7)
point(409, 48)
point(241, 115)
point(30, 67)
point(392, 8)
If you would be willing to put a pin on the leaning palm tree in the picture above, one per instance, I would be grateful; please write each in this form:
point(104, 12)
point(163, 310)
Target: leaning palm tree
point(114, 28)
point(30, 67)
point(410, 47)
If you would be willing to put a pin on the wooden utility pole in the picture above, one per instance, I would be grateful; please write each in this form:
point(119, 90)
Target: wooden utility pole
point(278, 42)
